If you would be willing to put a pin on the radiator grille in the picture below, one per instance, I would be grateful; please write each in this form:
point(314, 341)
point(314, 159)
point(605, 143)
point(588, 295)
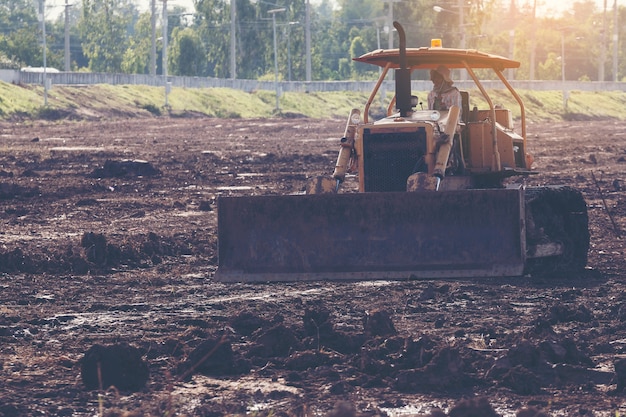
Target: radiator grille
point(389, 158)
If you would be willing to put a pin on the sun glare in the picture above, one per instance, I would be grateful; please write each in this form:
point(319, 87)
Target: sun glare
point(556, 8)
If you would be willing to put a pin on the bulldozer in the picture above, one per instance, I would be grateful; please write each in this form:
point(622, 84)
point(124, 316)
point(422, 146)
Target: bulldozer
point(441, 194)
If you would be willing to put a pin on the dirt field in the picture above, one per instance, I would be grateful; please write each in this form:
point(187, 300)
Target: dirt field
point(95, 251)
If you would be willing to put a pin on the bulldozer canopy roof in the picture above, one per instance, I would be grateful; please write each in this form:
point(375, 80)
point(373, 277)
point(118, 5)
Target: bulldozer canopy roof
point(431, 58)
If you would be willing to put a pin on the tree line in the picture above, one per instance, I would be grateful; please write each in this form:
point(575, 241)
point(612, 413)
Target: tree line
point(115, 36)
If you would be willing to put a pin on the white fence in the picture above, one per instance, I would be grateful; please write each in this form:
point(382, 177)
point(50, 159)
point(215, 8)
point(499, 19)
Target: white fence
point(84, 78)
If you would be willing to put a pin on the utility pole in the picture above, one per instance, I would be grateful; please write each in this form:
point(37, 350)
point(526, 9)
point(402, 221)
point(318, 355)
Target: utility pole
point(164, 55)
point(288, 31)
point(533, 44)
point(390, 25)
point(463, 36)
point(308, 40)
point(67, 62)
point(513, 17)
point(462, 23)
point(461, 14)
point(511, 72)
point(563, 55)
point(42, 16)
point(602, 46)
point(273, 13)
point(167, 85)
point(153, 19)
point(390, 21)
point(615, 40)
point(233, 39)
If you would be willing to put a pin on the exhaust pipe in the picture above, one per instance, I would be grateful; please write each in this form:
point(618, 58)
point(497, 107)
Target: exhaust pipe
point(403, 76)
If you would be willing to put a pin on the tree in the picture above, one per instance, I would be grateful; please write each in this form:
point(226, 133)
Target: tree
point(22, 47)
point(18, 41)
point(251, 30)
point(357, 48)
point(214, 18)
point(186, 56)
point(104, 29)
point(550, 69)
point(368, 21)
point(137, 57)
point(332, 46)
point(56, 40)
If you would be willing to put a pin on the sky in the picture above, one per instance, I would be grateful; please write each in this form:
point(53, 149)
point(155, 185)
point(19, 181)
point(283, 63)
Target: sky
point(544, 7)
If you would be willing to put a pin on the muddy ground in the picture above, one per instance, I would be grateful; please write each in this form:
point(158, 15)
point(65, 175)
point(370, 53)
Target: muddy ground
point(100, 252)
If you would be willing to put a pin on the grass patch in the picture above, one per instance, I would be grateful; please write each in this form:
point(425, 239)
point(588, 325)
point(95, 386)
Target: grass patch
point(19, 100)
point(102, 101)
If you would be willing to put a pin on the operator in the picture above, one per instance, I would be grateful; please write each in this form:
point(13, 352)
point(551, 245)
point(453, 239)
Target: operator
point(443, 95)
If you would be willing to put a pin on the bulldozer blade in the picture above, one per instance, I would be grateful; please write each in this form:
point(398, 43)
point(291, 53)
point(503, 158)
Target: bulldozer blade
point(366, 236)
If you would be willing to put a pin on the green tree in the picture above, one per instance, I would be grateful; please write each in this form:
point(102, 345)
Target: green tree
point(137, 56)
point(578, 31)
point(22, 47)
point(333, 44)
point(550, 68)
point(214, 27)
point(104, 28)
point(368, 21)
point(252, 42)
point(186, 55)
point(357, 48)
point(323, 64)
point(291, 44)
point(258, 29)
point(56, 40)
point(18, 41)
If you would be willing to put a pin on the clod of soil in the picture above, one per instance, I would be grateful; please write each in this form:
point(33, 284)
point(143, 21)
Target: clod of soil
point(125, 168)
point(120, 366)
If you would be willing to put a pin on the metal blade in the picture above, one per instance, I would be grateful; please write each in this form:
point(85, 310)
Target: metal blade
point(371, 236)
